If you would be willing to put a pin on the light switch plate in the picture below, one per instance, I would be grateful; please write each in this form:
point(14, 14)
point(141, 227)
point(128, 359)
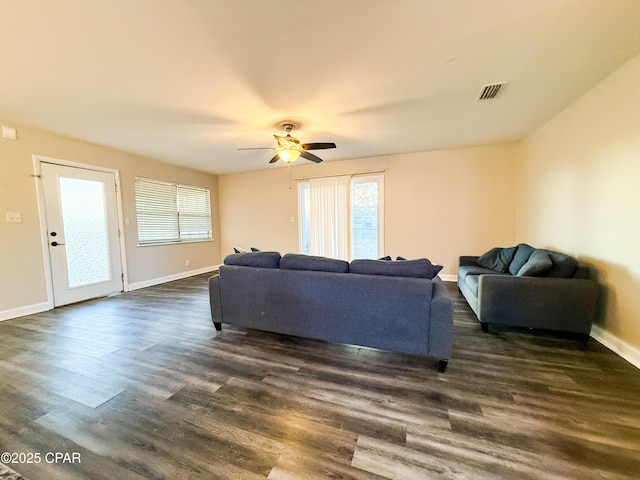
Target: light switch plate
point(9, 132)
point(14, 217)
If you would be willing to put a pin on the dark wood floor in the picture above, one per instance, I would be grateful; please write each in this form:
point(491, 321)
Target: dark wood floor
point(140, 386)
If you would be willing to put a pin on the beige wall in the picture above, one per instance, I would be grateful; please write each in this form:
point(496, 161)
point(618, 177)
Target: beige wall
point(22, 280)
point(438, 204)
point(581, 194)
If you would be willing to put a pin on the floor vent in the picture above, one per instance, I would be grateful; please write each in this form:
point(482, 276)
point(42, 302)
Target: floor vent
point(488, 92)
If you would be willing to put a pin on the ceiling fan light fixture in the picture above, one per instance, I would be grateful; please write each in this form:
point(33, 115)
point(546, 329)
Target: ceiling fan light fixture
point(289, 148)
point(288, 155)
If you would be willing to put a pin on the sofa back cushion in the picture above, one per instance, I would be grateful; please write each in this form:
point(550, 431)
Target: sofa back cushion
point(254, 259)
point(295, 261)
point(564, 266)
point(420, 268)
point(547, 263)
point(497, 259)
point(539, 262)
point(523, 252)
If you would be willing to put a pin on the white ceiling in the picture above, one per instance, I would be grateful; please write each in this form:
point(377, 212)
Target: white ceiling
point(190, 81)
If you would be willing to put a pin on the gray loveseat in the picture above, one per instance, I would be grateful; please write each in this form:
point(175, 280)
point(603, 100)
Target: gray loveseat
point(390, 305)
point(526, 287)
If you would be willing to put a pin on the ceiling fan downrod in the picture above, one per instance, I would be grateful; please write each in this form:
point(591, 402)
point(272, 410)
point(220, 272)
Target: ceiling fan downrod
point(288, 127)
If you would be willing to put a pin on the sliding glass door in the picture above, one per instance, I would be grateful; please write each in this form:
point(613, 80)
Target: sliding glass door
point(366, 217)
point(365, 210)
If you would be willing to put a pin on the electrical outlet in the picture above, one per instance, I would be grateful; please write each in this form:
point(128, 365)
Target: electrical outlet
point(14, 217)
point(187, 262)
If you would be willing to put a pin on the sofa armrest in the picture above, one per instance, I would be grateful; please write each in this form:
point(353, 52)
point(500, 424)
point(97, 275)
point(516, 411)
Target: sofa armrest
point(441, 322)
point(564, 304)
point(467, 261)
point(215, 301)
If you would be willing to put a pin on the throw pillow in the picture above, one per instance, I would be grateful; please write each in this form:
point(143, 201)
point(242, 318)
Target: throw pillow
point(538, 263)
point(523, 252)
point(497, 259)
point(239, 250)
point(254, 249)
point(385, 258)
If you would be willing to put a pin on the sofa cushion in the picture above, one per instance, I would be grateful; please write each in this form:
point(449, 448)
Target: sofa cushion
point(564, 266)
point(420, 268)
point(436, 267)
point(466, 270)
point(539, 262)
point(254, 259)
point(523, 252)
point(497, 259)
point(296, 261)
point(472, 282)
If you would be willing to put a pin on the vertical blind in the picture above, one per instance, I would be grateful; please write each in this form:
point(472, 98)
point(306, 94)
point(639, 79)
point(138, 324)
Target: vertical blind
point(329, 208)
point(171, 212)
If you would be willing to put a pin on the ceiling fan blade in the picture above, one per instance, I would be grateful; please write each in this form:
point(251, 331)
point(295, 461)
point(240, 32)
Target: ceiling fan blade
point(274, 159)
point(318, 146)
point(287, 142)
point(281, 140)
point(310, 156)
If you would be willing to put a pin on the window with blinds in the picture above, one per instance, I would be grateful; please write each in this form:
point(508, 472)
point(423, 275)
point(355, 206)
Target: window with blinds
point(171, 212)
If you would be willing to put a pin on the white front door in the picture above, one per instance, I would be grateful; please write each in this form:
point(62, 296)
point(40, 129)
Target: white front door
point(82, 232)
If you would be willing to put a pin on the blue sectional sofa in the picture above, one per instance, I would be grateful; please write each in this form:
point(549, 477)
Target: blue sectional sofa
point(398, 306)
point(523, 286)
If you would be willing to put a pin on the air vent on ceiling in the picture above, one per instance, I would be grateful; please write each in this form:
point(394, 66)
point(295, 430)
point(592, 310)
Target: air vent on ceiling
point(488, 92)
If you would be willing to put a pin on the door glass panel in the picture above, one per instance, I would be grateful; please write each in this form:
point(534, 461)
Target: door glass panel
point(85, 231)
point(364, 219)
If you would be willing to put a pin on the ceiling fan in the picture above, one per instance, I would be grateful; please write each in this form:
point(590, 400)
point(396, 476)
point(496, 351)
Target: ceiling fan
point(289, 148)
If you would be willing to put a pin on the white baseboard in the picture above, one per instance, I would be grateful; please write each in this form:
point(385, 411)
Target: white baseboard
point(630, 353)
point(171, 278)
point(448, 278)
point(26, 310)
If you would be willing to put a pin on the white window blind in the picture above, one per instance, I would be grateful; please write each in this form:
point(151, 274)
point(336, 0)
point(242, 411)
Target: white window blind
point(170, 212)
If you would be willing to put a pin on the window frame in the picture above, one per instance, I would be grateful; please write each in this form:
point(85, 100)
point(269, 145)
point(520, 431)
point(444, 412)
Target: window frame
point(167, 204)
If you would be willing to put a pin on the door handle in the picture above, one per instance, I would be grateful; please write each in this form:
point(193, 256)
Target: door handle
point(55, 244)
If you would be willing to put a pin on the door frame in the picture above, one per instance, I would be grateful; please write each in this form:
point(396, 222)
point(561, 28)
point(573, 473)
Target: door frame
point(44, 234)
